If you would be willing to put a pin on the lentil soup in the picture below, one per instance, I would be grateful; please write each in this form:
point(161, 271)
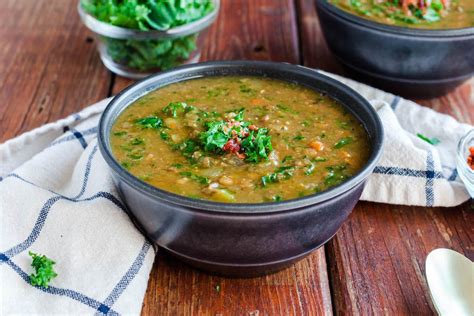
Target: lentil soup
point(424, 14)
point(239, 140)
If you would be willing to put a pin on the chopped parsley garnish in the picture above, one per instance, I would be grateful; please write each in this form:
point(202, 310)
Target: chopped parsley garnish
point(336, 174)
point(245, 89)
point(173, 108)
point(195, 177)
point(187, 148)
point(257, 145)
point(164, 135)
point(309, 169)
point(277, 198)
point(152, 122)
point(137, 141)
point(135, 156)
point(237, 136)
point(126, 164)
point(285, 108)
point(44, 271)
point(120, 133)
point(343, 142)
point(287, 158)
point(432, 141)
point(298, 137)
point(214, 138)
point(281, 173)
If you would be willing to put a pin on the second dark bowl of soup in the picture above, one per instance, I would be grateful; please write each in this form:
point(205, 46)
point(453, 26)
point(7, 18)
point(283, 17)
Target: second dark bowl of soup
point(240, 168)
point(401, 58)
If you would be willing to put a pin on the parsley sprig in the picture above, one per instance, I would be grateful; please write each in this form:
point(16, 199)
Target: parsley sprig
point(44, 271)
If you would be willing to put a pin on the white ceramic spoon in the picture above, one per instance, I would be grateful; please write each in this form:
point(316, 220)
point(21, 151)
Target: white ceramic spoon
point(450, 278)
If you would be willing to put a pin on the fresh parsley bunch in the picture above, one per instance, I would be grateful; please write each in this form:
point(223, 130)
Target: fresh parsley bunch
point(148, 15)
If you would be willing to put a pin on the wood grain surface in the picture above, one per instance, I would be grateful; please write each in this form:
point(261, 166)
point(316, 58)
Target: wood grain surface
point(49, 68)
point(375, 264)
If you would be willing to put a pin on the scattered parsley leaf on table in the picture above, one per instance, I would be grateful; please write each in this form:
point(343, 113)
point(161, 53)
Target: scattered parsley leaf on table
point(432, 141)
point(44, 271)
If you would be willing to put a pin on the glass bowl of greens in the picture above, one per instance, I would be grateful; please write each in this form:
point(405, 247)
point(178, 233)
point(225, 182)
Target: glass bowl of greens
point(139, 37)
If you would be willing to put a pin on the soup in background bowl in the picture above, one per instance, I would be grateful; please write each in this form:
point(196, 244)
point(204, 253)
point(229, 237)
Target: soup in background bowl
point(304, 143)
point(422, 59)
point(424, 14)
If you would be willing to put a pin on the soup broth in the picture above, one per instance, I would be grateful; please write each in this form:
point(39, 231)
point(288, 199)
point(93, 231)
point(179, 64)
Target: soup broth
point(436, 14)
point(239, 140)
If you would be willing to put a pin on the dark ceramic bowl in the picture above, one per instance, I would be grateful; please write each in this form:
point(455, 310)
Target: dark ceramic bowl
point(407, 61)
point(240, 239)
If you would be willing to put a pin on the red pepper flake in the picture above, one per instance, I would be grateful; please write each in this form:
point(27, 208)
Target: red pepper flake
point(240, 155)
point(470, 158)
point(253, 128)
point(231, 146)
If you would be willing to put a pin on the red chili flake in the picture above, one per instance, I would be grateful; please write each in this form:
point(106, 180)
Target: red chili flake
point(231, 146)
point(253, 128)
point(470, 158)
point(240, 155)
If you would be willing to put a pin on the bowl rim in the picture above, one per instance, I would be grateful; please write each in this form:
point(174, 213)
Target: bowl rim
point(117, 32)
point(178, 74)
point(395, 29)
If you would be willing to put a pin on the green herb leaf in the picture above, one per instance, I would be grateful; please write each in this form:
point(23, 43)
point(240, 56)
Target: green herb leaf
point(164, 136)
point(245, 89)
point(120, 133)
point(187, 148)
point(195, 177)
point(432, 141)
point(137, 141)
point(44, 271)
point(152, 122)
point(277, 198)
point(240, 115)
point(343, 142)
point(135, 156)
point(431, 15)
point(173, 108)
point(336, 174)
point(281, 173)
point(285, 108)
point(147, 15)
point(319, 159)
point(214, 138)
point(309, 169)
point(257, 146)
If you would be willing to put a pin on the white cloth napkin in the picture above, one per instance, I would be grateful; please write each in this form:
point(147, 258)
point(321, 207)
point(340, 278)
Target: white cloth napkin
point(57, 199)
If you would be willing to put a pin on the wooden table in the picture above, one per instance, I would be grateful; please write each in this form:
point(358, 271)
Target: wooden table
point(49, 68)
